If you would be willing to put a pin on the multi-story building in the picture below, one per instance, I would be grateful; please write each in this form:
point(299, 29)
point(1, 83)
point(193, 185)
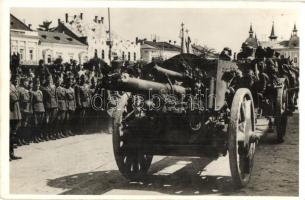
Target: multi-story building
point(35, 45)
point(55, 45)
point(96, 35)
point(24, 41)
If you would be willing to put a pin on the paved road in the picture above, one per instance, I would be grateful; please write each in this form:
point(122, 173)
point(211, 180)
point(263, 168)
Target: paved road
point(85, 164)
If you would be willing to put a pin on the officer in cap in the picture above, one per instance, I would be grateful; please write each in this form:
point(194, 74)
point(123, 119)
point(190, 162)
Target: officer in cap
point(15, 114)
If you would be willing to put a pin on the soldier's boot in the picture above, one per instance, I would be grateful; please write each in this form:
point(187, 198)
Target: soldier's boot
point(12, 153)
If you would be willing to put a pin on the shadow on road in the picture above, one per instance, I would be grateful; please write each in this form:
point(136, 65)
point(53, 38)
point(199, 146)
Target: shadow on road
point(187, 179)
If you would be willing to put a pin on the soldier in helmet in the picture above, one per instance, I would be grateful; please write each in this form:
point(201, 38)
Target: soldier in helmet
point(38, 110)
point(246, 52)
point(226, 54)
point(51, 107)
point(15, 114)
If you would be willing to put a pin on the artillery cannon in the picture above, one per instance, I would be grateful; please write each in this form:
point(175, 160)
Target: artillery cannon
point(185, 107)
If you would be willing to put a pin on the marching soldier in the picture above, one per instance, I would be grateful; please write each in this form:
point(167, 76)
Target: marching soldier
point(51, 106)
point(38, 110)
point(62, 107)
point(71, 105)
point(26, 110)
point(83, 101)
point(15, 114)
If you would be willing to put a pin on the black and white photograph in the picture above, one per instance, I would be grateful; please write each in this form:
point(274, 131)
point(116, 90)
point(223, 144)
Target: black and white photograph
point(161, 101)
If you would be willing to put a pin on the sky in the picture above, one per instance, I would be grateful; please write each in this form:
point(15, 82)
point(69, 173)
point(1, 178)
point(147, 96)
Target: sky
point(216, 28)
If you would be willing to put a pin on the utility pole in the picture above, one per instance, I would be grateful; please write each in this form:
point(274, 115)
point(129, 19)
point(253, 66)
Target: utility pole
point(109, 37)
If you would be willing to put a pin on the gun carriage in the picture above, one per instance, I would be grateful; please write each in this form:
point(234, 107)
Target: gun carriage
point(188, 106)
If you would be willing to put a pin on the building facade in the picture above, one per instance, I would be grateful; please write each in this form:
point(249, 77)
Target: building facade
point(55, 45)
point(288, 48)
point(33, 46)
point(95, 34)
point(24, 41)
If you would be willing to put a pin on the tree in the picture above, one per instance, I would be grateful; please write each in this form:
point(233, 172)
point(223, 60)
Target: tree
point(45, 26)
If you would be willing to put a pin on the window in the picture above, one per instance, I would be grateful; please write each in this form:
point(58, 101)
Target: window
point(134, 56)
point(31, 54)
point(123, 55)
point(21, 53)
point(295, 60)
point(128, 56)
point(103, 54)
point(49, 59)
point(56, 38)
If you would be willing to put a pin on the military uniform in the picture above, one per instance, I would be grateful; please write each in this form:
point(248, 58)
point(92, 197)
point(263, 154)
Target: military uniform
point(15, 117)
point(62, 108)
point(83, 101)
point(51, 105)
point(71, 106)
point(26, 112)
point(38, 112)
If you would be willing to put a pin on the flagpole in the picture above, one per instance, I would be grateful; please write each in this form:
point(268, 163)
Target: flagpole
point(182, 38)
point(109, 36)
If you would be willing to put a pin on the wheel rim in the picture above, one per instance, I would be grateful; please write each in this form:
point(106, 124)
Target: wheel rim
point(131, 161)
point(244, 148)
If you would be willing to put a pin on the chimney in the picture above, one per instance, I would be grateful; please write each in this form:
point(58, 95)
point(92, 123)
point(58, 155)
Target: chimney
point(30, 25)
point(137, 40)
point(102, 20)
point(81, 15)
point(174, 42)
point(95, 19)
point(169, 41)
point(154, 40)
point(99, 21)
point(67, 17)
point(58, 20)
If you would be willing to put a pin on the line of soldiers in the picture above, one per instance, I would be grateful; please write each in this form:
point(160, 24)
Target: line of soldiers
point(49, 105)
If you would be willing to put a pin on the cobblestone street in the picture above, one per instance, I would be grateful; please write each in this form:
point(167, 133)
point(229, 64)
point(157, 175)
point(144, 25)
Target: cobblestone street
point(85, 165)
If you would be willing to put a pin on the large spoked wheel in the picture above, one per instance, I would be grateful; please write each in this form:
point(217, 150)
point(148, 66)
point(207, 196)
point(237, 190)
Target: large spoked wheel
point(241, 143)
point(281, 117)
point(131, 161)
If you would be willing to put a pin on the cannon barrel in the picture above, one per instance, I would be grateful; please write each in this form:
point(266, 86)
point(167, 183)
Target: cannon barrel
point(169, 73)
point(129, 84)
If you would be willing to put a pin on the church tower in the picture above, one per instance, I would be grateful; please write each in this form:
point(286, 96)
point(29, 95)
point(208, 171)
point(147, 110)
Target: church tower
point(272, 34)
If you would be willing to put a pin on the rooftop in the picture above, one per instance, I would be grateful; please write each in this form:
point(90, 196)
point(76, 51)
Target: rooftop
point(56, 37)
point(162, 45)
point(15, 23)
